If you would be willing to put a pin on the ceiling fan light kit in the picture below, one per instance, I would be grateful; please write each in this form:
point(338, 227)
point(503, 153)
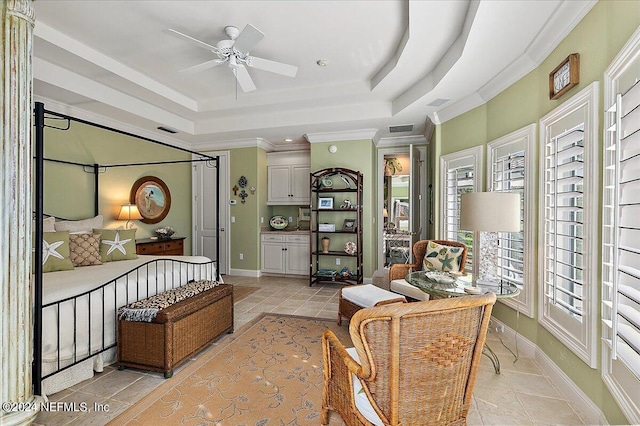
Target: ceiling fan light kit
point(235, 51)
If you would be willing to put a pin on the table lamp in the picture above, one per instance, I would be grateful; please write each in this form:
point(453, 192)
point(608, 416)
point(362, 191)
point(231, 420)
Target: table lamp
point(129, 212)
point(489, 213)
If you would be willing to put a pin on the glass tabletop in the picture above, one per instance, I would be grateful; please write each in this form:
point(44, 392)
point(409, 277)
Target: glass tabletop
point(457, 287)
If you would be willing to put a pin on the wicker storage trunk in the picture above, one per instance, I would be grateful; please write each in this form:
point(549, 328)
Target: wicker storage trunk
point(177, 332)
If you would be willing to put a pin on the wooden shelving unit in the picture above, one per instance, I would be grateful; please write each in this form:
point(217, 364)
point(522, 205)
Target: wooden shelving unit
point(340, 184)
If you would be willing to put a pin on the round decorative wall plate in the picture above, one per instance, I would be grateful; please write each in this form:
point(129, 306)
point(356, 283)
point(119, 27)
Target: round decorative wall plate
point(242, 181)
point(278, 222)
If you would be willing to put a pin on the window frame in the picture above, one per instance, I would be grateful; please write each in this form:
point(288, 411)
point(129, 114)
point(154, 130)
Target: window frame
point(525, 137)
point(464, 158)
point(580, 337)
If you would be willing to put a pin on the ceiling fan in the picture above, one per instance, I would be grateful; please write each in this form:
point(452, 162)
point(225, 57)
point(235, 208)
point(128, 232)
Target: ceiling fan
point(235, 52)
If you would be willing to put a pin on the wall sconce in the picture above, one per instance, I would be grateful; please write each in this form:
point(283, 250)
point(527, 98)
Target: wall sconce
point(333, 149)
point(129, 212)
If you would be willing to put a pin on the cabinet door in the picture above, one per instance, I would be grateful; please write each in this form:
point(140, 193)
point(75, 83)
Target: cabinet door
point(300, 181)
point(273, 257)
point(298, 258)
point(278, 191)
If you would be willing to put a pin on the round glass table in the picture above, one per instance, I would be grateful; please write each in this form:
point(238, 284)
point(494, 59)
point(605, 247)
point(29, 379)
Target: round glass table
point(420, 280)
point(456, 288)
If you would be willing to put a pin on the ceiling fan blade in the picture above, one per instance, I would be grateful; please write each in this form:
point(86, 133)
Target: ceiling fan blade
point(272, 66)
point(248, 38)
point(244, 79)
point(191, 39)
point(206, 65)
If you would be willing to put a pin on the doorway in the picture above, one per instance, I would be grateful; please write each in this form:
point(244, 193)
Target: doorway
point(401, 216)
point(204, 186)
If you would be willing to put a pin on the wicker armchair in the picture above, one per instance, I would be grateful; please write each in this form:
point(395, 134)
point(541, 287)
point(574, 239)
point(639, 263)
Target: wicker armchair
point(415, 362)
point(400, 270)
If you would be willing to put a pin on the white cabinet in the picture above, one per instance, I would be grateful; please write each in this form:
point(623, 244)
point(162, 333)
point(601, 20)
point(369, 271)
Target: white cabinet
point(288, 178)
point(285, 254)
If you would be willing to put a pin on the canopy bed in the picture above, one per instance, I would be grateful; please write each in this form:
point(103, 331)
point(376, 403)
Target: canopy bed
point(76, 298)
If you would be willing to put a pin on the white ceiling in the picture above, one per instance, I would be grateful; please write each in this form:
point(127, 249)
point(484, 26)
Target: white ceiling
point(112, 61)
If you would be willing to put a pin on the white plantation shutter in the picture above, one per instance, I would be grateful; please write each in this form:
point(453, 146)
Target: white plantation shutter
point(508, 176)
point(569, 207)
point(621, 233)
point(460, 173)
point(621, 230)
point(511, 167)
point(564, 221)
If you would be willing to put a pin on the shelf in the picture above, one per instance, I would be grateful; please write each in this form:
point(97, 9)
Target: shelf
point(325, 190)
point(334, 232)
point(334, 253)
point(335, 210)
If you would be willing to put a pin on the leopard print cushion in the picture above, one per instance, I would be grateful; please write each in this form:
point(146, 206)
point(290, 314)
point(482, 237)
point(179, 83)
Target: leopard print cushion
point(84, 249)
point(147, 309)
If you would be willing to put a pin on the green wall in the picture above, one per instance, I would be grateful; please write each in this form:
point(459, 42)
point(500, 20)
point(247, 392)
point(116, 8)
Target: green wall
point(245, 232)
point(598, 38)
point(355, 155)
point(68, 190)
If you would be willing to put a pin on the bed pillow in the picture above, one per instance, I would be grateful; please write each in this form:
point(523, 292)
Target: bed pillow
point(55, 252)
point(48, 224)
point(117, 244)
point(84, 226)
point(442, 258)
point(84, 249)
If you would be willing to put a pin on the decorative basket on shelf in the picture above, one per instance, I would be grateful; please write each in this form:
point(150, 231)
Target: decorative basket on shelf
point(165, 232)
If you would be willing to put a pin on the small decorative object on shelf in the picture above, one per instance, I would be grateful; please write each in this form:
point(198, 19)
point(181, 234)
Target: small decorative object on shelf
point(349, 225)
point(346, 204)
point(165, 232)
point(325, 202)
point(326, 241)
point(350, 247)
point(348, 208)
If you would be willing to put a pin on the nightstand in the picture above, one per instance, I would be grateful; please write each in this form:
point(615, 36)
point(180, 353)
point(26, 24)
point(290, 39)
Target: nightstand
point(170, 246)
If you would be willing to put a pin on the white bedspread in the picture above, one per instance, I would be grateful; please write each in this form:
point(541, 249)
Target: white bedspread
point(95, 324)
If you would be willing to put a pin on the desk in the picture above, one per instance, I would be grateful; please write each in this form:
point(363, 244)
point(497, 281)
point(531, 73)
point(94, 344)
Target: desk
point(456, 289)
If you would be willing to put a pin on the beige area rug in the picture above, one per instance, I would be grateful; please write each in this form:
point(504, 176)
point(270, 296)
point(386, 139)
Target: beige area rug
point(241, 291)
point(267, 373)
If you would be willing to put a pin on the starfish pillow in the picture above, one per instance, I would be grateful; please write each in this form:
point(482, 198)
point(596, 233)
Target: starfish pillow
point(442, 258)
point(55, 251)
point(117, 244)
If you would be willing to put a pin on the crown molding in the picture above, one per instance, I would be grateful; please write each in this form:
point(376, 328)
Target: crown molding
point(401, 141)
point(566, 17)
point(92, 117)
point(348, 135)
point(234, 144)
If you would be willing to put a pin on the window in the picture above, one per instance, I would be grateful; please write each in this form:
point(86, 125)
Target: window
point(569, 200)
point(621, 231)
point(511, 167)
point(460, 172)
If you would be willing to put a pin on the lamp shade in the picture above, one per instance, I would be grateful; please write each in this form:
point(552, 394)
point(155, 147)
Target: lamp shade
point(129, 212)
point(385, 213)
point(490, 211)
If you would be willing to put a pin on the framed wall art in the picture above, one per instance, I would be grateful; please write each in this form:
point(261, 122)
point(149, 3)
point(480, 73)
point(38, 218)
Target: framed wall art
point(152, 197)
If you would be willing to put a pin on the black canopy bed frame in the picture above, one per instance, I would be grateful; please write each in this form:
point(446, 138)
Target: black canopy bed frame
point(168, 268)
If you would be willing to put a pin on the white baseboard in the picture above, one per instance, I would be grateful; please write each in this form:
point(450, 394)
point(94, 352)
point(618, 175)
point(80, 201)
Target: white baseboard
point(588, 411)
point(244, 273)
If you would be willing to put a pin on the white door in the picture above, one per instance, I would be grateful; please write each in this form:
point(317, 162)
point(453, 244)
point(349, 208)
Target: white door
point(415, 222)
point(300, 181)
point(205, 185)
point(273, 257)
point(278, 180)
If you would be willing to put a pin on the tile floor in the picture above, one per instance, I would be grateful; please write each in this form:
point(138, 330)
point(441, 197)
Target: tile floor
point(521, 395)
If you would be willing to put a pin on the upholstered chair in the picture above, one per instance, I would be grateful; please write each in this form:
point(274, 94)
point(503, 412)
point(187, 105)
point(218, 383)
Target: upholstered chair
point(399, 271)
point(411, 364)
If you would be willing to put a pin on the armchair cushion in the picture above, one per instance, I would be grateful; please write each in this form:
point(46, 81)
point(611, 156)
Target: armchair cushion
point(442, 258)
point(362, 402)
